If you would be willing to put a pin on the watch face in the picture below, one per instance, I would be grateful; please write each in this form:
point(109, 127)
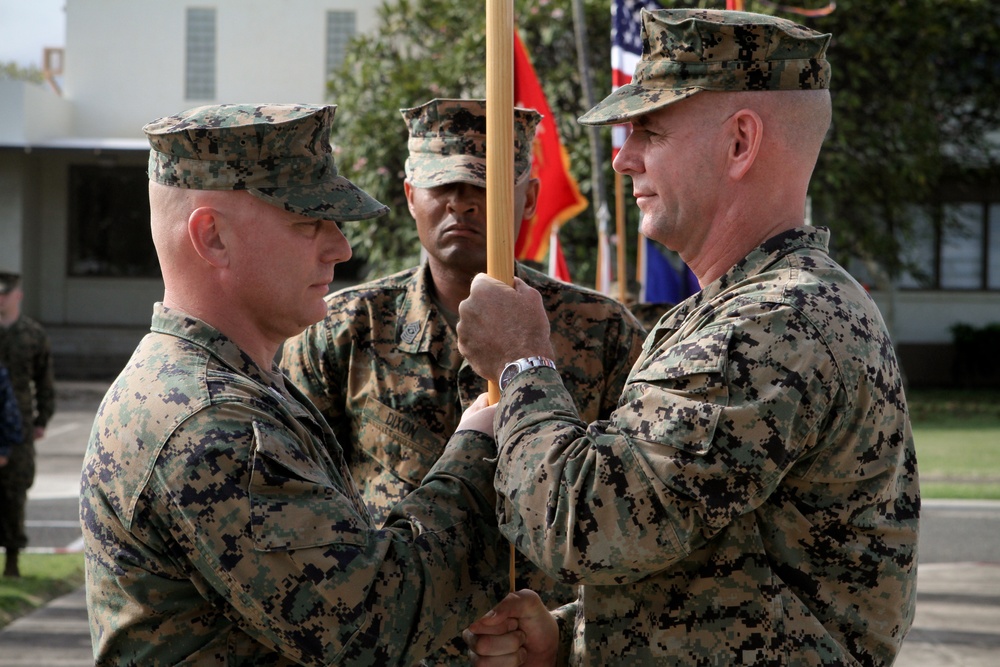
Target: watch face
point(509, 371)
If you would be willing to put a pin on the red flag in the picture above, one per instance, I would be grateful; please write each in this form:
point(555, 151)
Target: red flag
point(559, 198)
point(808, 13)
point(557, 263)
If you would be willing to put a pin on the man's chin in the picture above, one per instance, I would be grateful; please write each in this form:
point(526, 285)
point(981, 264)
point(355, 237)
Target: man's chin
point(463, 256)
point(315, 314)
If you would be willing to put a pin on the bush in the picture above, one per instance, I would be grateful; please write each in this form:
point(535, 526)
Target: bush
point(977, 350)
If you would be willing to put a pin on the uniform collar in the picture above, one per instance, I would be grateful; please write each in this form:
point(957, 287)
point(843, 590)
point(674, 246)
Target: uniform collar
point(756, 262)
point(767, 254)
point(421, 328)
point(176, 322)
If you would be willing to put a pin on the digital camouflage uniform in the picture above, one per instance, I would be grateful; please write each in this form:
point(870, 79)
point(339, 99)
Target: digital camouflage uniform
point(384, 366)
point(385, 370)
point(26, 354)
point(221, 525)
point(754, 500)
point(219, 530)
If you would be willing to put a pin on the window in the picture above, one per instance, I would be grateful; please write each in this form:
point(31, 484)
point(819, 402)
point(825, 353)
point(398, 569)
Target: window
point(918, 252)
point(961, 265)
point(340, 28)
point(960, 251)
point(199, 79)
point(109, 222)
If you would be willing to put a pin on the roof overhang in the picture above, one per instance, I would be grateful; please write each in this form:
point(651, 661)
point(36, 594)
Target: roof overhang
point(90, 144)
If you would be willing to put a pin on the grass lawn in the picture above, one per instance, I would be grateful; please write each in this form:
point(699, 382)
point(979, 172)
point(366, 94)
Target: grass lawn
point(957, 436)
point(43, 577)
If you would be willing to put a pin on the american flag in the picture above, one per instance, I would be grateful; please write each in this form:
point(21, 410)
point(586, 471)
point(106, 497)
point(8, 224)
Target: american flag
point(626, 50)
point(660, 281)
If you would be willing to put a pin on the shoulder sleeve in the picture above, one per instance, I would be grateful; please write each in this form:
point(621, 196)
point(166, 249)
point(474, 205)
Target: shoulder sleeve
point(621, 349)
point(274, 531)
point(706, 428)
point(317, 361)
point(566, 616)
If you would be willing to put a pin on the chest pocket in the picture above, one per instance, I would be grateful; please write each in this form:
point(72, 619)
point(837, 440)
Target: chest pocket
point(398, 443)
point(294, 502)
point(677, 397)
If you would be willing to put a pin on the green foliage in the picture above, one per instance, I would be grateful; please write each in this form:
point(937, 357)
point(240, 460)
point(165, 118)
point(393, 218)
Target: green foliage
point(914, 96)
point(14, 72)
point(987, 336)
point(976, 359)
point(437, 48)
point(954, 407)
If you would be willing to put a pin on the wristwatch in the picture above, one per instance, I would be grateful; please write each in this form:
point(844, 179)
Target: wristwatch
point(515, 367)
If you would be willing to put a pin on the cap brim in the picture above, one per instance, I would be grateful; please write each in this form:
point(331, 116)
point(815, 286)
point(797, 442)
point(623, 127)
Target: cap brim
point(336, 199)
point(444, 170)
point(632, 100)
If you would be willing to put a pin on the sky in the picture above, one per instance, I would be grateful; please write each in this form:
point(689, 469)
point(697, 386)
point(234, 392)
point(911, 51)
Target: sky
point(27, 27)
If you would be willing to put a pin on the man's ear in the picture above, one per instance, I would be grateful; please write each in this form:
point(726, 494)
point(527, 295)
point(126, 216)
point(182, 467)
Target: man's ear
point(747, 132)
point(531, 198)
point(206, 238)
point(408, 191)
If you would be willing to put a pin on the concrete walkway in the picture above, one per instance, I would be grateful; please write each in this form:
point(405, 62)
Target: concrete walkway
point(56, 635)
point(958, 617)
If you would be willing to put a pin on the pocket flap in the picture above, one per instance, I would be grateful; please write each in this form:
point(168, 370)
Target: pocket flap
point(676, 397)
point(294, 502)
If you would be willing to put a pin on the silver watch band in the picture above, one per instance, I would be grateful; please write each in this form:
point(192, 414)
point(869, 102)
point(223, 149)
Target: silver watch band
point(514, 368)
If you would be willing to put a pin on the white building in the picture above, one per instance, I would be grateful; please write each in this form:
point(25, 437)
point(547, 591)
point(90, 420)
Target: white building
point(73, 207)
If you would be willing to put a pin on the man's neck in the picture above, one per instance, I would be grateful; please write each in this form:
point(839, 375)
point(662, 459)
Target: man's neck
point(245, 333)
point(450, 288)
point(733, 241)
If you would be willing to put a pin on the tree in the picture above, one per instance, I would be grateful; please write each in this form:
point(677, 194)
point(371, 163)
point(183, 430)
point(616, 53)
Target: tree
point(436, 48)
point(915, 100)
point(913, 91)
point(11, 71)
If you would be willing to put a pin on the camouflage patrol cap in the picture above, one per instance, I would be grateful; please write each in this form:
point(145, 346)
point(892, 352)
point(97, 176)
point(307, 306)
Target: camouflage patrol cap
point(276, 152)
point(686, 51)
point(448, 142)
point(9, 281)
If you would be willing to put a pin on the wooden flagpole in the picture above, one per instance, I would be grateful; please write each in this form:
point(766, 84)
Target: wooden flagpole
point(500, 156)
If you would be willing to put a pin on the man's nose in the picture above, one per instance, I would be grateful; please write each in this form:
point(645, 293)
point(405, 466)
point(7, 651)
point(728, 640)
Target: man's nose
point(337, 248)
point(465, 198)
point(627, 161)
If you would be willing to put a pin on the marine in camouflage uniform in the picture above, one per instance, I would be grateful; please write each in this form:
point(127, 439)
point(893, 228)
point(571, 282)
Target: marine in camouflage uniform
point(221, 525)
point(384, 366)
point(26, 353)
point(754, 500)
